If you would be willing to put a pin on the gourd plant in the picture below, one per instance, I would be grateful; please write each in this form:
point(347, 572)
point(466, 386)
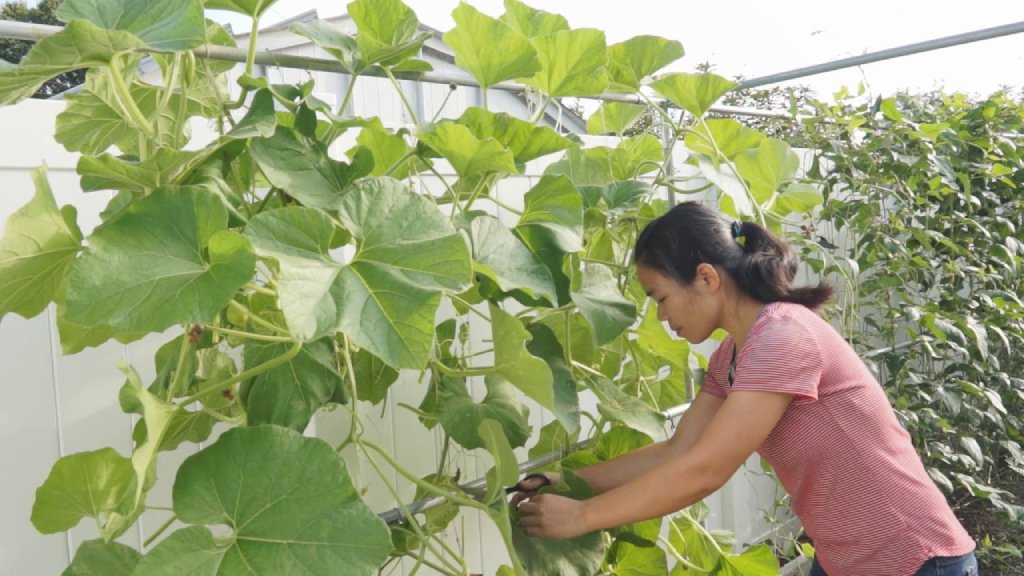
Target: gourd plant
point(926, 191)
point(298, 281)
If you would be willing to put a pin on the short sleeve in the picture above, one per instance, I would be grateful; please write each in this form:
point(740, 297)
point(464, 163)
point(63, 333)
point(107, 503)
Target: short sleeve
point(782, 355)
point(718, 364)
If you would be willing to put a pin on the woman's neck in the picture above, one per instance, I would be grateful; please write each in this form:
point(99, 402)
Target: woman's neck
point(740, 319)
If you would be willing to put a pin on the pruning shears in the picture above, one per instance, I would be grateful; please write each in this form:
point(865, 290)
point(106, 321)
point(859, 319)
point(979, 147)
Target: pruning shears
point(545, 480)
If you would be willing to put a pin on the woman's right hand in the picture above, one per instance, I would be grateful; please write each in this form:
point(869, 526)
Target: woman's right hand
point(528, 486)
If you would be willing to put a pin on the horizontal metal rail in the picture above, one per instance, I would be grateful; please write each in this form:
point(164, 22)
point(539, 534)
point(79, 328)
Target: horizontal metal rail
point(36, 32)
point(887, 54)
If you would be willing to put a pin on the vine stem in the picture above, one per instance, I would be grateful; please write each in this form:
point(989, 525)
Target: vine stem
point(268, 365)
point(503, 205)
point(502, 521)
point(159, 531)
point(170, 80)
point(398, 164)
point(463, 373)
point(353, 434)
point(540, 111)
point(259, 289)
point(413, 524)
point(471, 308)
point(250, 60)
point(256, 319)
point(180, 381)
point(117, 74)
point(420, 483)
point(679, 557)
point(248, 335)
point(348, 95)
point(401, 93)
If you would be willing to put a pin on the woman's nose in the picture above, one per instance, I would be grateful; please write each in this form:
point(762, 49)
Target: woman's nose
point(662, 314)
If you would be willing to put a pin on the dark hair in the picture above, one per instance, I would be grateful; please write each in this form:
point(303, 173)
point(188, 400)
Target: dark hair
point(761, 265)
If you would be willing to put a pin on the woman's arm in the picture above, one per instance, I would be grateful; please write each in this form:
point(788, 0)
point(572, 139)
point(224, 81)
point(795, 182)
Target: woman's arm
point(613, 473)
point(741, 424)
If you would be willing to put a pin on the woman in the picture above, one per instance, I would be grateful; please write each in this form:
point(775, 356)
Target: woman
point(783, 384)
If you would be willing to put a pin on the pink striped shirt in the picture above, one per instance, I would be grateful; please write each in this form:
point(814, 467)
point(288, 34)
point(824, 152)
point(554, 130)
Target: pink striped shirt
point(856, 483)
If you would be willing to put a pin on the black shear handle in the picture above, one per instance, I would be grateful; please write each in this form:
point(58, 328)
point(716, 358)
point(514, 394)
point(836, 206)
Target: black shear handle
point(545, 481)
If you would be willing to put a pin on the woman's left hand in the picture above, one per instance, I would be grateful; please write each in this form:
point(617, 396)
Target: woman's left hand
point(551, 516)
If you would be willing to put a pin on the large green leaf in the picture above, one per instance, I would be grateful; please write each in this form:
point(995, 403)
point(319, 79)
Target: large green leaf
point(387, 31)
point(469, 156)
point(544, 344)
point(573, 63)
point(525, 140)
point(40, 242)
point(301, 167)
point(79, 45)
point(74, 337)
point(166, 260)
point(614, 118)
point(584, 167)
point(631, 61)
point(767, 167)
point(515, 363)
point(722, 137)
point(532, 22)
point(335, 42)
point(631, 411)
point(694, 93)
point(461, 417)
point(99, 558)
point(554, 204)
point(288, 395)
point(506, 467)
point(260, 120)
point(754, 561)
point(108, 172)
point(290, 504)
point(489, 49)
point(637, 552)
point(408, 253)
point(499, 255)
point(799, 198)
point(95, 120)
point(392, 154)
point(686, 534)
point(581, 556)
point(602, 303)
point(83, 485)
point(159, 417)
point(552, 226)
point(735, 199)
point(167, 25)
point(373, 377)
point(254, 8)
point(300, 239)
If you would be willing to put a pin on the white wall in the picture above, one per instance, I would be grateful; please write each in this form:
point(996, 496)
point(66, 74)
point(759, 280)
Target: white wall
point(56, 405)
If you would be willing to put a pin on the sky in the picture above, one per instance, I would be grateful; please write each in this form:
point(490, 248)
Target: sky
point(759, 37)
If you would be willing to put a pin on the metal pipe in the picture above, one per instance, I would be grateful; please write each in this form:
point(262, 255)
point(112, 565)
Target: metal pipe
point(36, 32)
point(928, 45)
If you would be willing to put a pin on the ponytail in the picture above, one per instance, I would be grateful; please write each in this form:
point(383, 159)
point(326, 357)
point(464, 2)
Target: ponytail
point(761, 265)
point(767, 267)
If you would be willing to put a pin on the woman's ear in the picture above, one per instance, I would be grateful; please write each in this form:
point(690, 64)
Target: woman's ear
point(707, 277)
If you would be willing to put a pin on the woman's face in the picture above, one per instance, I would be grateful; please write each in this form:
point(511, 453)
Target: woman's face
point(690, 310)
